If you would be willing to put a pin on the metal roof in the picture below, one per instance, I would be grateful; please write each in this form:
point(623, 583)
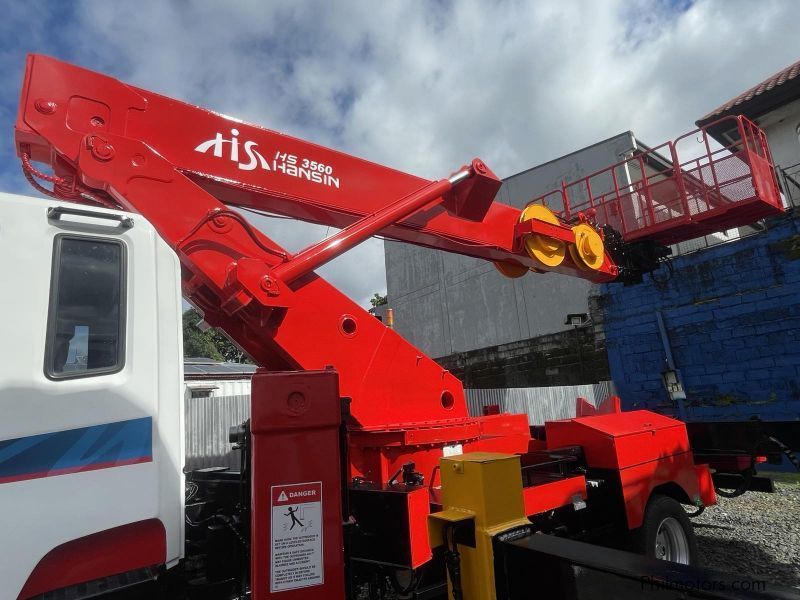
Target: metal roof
point(774, 91)
point(207, 368)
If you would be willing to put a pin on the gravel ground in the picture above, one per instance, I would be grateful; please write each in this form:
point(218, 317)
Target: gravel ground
point(755, 535)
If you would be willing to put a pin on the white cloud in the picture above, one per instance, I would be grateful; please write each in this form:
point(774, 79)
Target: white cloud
point(425, 87)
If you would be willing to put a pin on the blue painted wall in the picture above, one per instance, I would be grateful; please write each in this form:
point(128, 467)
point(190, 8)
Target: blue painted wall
point(732, 314)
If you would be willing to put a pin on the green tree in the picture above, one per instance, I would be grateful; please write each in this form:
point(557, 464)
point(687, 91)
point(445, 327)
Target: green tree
point(197, 343)
point(230, 351)
point(208, 344)
point(378, 300)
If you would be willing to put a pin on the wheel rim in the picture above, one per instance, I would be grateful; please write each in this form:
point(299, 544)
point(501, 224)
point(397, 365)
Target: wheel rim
point(671, 542)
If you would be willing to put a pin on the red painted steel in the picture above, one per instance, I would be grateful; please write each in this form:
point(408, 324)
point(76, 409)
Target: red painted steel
point(706, 484)
point(178, 165)
point(647, 449)
point(552, 495)
point(263, 170)
point(617, 441)
point(419, 503)
point(639, 481)
point(318, 254)
point(295, 424)
point(679, 190)
point(157, 156)
point(109, 552)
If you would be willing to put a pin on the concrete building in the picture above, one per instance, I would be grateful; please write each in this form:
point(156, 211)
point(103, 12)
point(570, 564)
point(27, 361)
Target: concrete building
point(496, 332)
point(730, 311)
point(445, 303)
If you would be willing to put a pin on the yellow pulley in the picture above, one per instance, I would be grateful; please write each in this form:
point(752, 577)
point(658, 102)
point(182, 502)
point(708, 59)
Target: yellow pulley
point(588, 251)
point(548, 251)
point(509, 269)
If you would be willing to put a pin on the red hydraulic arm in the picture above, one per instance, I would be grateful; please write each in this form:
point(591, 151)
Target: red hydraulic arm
point(179, 165)
point(182, 166)
point(248, 166)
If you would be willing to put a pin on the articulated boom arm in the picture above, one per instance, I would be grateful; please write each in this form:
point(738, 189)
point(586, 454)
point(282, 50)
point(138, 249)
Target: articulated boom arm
point(179, 165)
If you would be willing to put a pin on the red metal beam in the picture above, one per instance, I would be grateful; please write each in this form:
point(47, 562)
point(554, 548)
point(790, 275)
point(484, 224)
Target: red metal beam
point(317, 255)
point(64, 107)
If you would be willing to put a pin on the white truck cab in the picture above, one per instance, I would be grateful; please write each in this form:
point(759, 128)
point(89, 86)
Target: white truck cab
point(91, 434)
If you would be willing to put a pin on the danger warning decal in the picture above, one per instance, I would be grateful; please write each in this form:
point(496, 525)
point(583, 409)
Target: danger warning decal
point(296, 556)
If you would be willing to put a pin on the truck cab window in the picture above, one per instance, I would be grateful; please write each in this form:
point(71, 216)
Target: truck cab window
point(85, 327)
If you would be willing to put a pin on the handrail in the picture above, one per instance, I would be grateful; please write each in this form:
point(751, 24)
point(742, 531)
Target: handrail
point(669, 198)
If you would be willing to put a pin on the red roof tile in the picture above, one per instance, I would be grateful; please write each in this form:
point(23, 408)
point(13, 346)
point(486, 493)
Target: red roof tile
point(778, 79)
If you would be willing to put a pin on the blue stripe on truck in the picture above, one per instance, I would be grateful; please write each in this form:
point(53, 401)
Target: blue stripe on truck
point(76, 450)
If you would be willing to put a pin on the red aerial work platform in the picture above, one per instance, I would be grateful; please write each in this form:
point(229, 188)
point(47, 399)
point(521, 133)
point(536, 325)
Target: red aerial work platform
point(357, 430)
point(670, 194)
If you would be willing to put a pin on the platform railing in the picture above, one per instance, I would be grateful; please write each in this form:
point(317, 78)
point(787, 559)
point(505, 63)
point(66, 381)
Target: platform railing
point(660, 195)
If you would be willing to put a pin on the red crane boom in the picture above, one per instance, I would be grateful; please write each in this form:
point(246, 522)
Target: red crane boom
point(177, 164)
point(181, 166)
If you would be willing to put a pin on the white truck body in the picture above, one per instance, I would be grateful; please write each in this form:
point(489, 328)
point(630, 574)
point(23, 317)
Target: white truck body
point(84, 449)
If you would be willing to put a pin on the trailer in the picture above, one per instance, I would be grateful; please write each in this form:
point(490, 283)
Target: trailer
point(361, 471)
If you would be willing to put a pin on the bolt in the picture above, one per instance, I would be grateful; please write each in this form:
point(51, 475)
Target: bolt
point(269, 285)
point(479, 166)
point(100, 148)
point(46, 107)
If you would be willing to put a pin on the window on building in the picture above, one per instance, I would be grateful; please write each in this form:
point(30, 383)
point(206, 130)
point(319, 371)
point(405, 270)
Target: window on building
point(85, 334)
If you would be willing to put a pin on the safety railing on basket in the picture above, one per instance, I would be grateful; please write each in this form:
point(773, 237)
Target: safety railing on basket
point(680, 190)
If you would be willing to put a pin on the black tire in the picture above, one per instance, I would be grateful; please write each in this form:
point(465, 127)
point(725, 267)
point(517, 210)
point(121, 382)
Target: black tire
point(666, 514)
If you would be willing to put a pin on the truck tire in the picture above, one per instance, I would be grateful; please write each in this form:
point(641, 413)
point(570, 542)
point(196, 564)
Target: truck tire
point(666, 532)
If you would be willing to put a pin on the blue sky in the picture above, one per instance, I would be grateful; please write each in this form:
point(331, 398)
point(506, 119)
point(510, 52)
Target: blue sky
point(420, 87)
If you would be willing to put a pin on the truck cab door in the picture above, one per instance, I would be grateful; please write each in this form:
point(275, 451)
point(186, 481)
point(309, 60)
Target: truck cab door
point(91, 434)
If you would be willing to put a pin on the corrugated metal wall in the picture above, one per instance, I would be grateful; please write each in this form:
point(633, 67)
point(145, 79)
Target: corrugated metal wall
point(209, 419)
point(540, 403)
point(222, 387)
